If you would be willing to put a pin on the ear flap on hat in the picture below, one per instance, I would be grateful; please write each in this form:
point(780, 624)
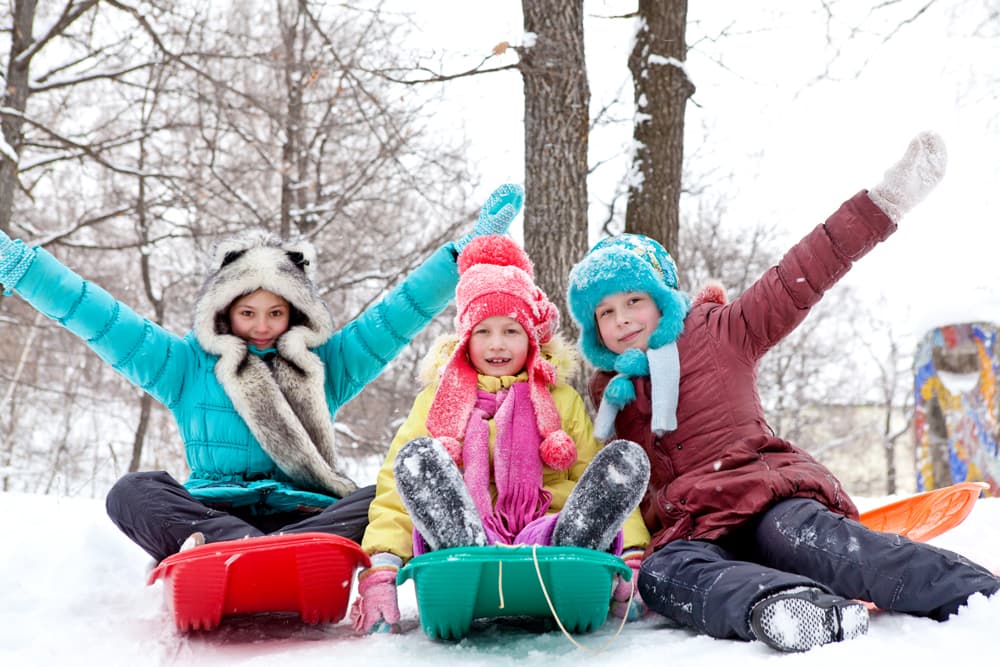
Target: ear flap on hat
point(453, 401)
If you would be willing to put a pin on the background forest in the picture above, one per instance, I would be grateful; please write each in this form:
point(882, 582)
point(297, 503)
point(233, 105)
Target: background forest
point(137, 134)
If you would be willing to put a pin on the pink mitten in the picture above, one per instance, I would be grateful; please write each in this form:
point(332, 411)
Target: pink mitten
point(376, 608)
point(620, 605)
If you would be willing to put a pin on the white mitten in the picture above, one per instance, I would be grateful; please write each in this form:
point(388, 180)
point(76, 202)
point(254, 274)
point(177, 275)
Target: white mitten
point(907, 182)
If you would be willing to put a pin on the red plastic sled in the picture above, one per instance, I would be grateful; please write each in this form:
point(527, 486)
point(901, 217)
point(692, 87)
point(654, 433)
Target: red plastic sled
point(926, 515)
point(308, 573)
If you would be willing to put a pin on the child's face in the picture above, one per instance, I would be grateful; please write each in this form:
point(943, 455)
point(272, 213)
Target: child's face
point(498, 346)
point(626, 320)
point(259, 318)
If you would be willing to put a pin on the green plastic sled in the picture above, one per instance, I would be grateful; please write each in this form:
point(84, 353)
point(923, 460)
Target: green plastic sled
point(456, 586)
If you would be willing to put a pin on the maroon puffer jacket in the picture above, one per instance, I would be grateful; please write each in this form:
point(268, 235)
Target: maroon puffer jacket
point(723, 464)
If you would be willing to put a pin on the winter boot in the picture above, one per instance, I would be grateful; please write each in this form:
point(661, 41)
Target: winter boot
point(435, 495)
point(610, 488)
point(801, 618)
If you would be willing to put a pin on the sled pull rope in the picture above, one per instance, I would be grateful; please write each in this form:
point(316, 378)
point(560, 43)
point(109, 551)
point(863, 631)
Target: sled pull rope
point(548, 600)
point(500, 582)
point(500, 573)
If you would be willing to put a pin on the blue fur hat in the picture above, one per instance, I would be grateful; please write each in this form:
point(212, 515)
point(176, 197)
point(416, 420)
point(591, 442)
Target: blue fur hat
point(625, 263)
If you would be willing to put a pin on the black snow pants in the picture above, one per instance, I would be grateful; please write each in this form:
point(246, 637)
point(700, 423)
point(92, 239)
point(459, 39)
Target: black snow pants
point(710, 586)
point(158, 514)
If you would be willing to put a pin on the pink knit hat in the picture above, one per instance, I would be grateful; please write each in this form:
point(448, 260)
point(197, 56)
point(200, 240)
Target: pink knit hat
point(497, 278)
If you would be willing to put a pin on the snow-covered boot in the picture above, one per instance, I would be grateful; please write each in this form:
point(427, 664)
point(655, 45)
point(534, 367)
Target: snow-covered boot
point(435, 495)
point(609, 489)
point(803, 617)
point(907, 182)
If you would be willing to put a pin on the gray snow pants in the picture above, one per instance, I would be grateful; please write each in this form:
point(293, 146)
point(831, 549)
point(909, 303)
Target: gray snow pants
point(158, 513)
point(711, 586)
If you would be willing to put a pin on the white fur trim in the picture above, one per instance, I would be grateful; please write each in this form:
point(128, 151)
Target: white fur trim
point(284, 405)
point(286, 412)
point(263, 264)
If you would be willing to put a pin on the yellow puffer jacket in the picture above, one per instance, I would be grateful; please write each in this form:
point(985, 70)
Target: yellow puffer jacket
point(390, 529)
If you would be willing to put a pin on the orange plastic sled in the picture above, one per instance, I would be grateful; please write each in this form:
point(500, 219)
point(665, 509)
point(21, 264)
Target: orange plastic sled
point(308, 573)
point(926, 515)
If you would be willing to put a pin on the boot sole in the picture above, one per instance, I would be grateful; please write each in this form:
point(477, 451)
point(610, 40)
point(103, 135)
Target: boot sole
point(793, 623)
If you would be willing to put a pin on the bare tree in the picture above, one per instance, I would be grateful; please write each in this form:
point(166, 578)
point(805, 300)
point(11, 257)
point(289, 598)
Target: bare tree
point(152, 136)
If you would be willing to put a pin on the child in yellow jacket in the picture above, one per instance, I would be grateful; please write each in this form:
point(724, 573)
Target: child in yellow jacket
point(496, 450)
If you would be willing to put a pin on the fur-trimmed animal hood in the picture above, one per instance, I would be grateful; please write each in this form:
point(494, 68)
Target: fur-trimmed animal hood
point(282, 396)
point(260, 260)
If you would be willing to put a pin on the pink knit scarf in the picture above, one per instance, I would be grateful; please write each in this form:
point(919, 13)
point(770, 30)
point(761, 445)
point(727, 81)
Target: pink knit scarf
point(516, 465)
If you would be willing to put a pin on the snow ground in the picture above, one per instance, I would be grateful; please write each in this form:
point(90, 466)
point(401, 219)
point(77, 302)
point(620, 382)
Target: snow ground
point(74, 594)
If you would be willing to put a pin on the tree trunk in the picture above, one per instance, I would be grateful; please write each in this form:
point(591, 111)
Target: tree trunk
point(661, 88)
point(293, 124)
point(556, 128)
point(143, 223)
point(15, 97)
point(138, 442)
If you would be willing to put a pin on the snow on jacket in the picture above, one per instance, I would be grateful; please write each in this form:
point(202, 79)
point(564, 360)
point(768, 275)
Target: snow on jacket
point(724, 465)
point(227, 461)
point(390, 528)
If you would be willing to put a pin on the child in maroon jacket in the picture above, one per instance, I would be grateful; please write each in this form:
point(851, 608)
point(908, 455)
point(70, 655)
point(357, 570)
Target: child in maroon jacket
point(752, 538)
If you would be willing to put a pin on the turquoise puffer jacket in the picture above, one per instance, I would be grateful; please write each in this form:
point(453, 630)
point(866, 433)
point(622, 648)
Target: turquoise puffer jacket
point(228, 464)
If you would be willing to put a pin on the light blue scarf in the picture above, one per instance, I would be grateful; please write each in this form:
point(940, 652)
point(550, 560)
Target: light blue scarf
point(663, 367)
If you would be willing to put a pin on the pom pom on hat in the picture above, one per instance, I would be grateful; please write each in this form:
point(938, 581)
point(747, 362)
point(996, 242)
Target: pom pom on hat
point(495, 251)
point(620, 390)
point(558, 451)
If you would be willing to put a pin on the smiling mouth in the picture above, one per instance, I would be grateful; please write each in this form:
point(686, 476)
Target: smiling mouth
point(628, 338)
point(498, 361)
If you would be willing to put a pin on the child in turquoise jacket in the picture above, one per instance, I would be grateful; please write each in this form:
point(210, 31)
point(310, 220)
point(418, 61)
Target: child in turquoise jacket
point(254, 386)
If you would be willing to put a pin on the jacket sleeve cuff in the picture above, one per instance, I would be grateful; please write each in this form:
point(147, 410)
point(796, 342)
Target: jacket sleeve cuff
point(386, 559)
point(15, 260)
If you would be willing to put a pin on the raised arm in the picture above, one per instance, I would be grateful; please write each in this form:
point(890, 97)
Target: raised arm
point(356, 354)
point(776, 303)
point(143, 352)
